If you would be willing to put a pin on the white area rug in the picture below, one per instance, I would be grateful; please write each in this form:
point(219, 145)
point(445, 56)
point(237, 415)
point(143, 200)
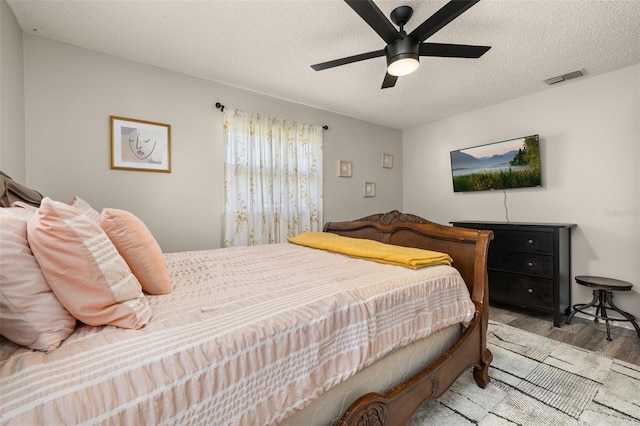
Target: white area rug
point(538, 381)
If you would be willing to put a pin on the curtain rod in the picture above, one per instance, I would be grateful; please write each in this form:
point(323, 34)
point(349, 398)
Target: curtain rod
point(221, 108)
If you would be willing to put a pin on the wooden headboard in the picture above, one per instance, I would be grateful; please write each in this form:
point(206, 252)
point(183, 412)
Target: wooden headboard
point(468, 248)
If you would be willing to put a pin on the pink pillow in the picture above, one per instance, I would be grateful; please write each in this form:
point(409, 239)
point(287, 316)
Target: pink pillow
point(31, 315)
point(84, 208)
point(84, 269)
point(139, 249)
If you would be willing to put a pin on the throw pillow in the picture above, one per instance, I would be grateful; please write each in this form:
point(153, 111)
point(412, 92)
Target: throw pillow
point(31, 315)
point(84, 269)
point(139, 249)
point(85, 209)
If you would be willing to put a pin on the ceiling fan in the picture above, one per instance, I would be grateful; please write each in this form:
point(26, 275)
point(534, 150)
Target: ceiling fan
point(403, 50)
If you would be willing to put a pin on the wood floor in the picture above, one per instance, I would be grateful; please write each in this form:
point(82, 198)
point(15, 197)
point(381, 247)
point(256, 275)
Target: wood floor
point(582, 333)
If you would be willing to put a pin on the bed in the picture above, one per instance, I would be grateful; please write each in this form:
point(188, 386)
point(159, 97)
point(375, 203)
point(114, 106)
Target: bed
point(277, 334)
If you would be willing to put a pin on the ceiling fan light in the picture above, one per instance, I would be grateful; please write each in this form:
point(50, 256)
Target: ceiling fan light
point(403, 66)
point(402, 56)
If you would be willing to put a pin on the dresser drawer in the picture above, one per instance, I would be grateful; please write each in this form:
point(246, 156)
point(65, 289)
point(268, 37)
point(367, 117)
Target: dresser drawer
point(520, 289)
point(524, 263)
point(524, 241)
point(529, 264)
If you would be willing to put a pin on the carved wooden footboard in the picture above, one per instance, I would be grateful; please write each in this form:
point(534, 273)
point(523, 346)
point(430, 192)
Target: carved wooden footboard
point(468, 249)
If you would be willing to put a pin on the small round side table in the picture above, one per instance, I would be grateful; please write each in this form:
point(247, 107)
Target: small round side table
point(603, 300)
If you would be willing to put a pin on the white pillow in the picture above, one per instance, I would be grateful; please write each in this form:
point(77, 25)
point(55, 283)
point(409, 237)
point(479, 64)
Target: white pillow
point(30, 314)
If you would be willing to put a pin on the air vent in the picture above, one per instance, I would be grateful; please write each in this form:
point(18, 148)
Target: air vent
point(564, 77)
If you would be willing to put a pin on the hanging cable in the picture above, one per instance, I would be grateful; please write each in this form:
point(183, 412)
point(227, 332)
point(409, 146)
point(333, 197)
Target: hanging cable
point(506, 209)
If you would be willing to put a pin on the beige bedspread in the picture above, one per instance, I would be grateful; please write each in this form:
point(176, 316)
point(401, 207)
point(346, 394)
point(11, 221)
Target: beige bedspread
point(248, 336)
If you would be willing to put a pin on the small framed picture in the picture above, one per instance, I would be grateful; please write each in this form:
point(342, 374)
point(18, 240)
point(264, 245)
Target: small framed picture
point(344, 168)
point(140, 145)
point(369, 189)
point(387, 161)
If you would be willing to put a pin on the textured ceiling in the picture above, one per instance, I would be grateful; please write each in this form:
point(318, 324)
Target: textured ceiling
point(268, 46)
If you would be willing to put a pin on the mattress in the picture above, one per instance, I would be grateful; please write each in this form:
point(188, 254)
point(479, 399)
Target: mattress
point(380, 377)
point(249, 335)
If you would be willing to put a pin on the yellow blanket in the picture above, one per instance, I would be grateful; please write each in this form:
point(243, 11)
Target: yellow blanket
point(372, 250)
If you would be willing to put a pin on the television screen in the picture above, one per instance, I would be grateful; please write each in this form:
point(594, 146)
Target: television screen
point(513, 163)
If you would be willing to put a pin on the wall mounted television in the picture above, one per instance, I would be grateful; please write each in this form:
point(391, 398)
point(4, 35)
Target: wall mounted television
point(514, 163)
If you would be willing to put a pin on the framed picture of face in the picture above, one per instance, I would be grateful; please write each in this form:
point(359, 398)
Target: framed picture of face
point(140, 145)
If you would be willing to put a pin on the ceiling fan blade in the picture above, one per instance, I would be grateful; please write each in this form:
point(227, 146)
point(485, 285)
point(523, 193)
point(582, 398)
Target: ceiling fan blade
point(451, 50)
point(389, 81)
point(442, 17)
point(375, 18)
point(348, 60)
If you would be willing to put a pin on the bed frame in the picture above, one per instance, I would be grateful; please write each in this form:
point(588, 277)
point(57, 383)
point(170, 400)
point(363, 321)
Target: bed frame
point(468, 249)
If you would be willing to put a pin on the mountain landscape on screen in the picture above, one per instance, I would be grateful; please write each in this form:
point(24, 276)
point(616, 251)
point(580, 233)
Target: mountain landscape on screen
point(514, 163)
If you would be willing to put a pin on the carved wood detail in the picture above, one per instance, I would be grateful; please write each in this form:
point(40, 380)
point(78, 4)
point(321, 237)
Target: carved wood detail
point(367, 411)
point(393, 217)
point(434, 387)
point(374, 414)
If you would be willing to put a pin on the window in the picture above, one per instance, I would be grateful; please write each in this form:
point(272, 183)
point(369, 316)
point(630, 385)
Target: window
point(273, 179)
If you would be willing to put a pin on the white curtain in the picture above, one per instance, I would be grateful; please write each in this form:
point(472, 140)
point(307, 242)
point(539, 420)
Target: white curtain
point(273, 178)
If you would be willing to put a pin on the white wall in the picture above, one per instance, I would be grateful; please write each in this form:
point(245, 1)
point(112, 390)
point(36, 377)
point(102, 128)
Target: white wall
point(12, 155)
point(71, 92)
point(589, 148)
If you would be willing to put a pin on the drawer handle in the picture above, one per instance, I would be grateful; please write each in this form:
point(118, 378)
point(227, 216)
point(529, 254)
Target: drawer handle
point(530, 241)
point(530, 264)
point(530, 291)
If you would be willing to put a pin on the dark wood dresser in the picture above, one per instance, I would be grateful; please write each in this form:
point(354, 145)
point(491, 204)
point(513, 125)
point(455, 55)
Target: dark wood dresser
point(529, 265)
